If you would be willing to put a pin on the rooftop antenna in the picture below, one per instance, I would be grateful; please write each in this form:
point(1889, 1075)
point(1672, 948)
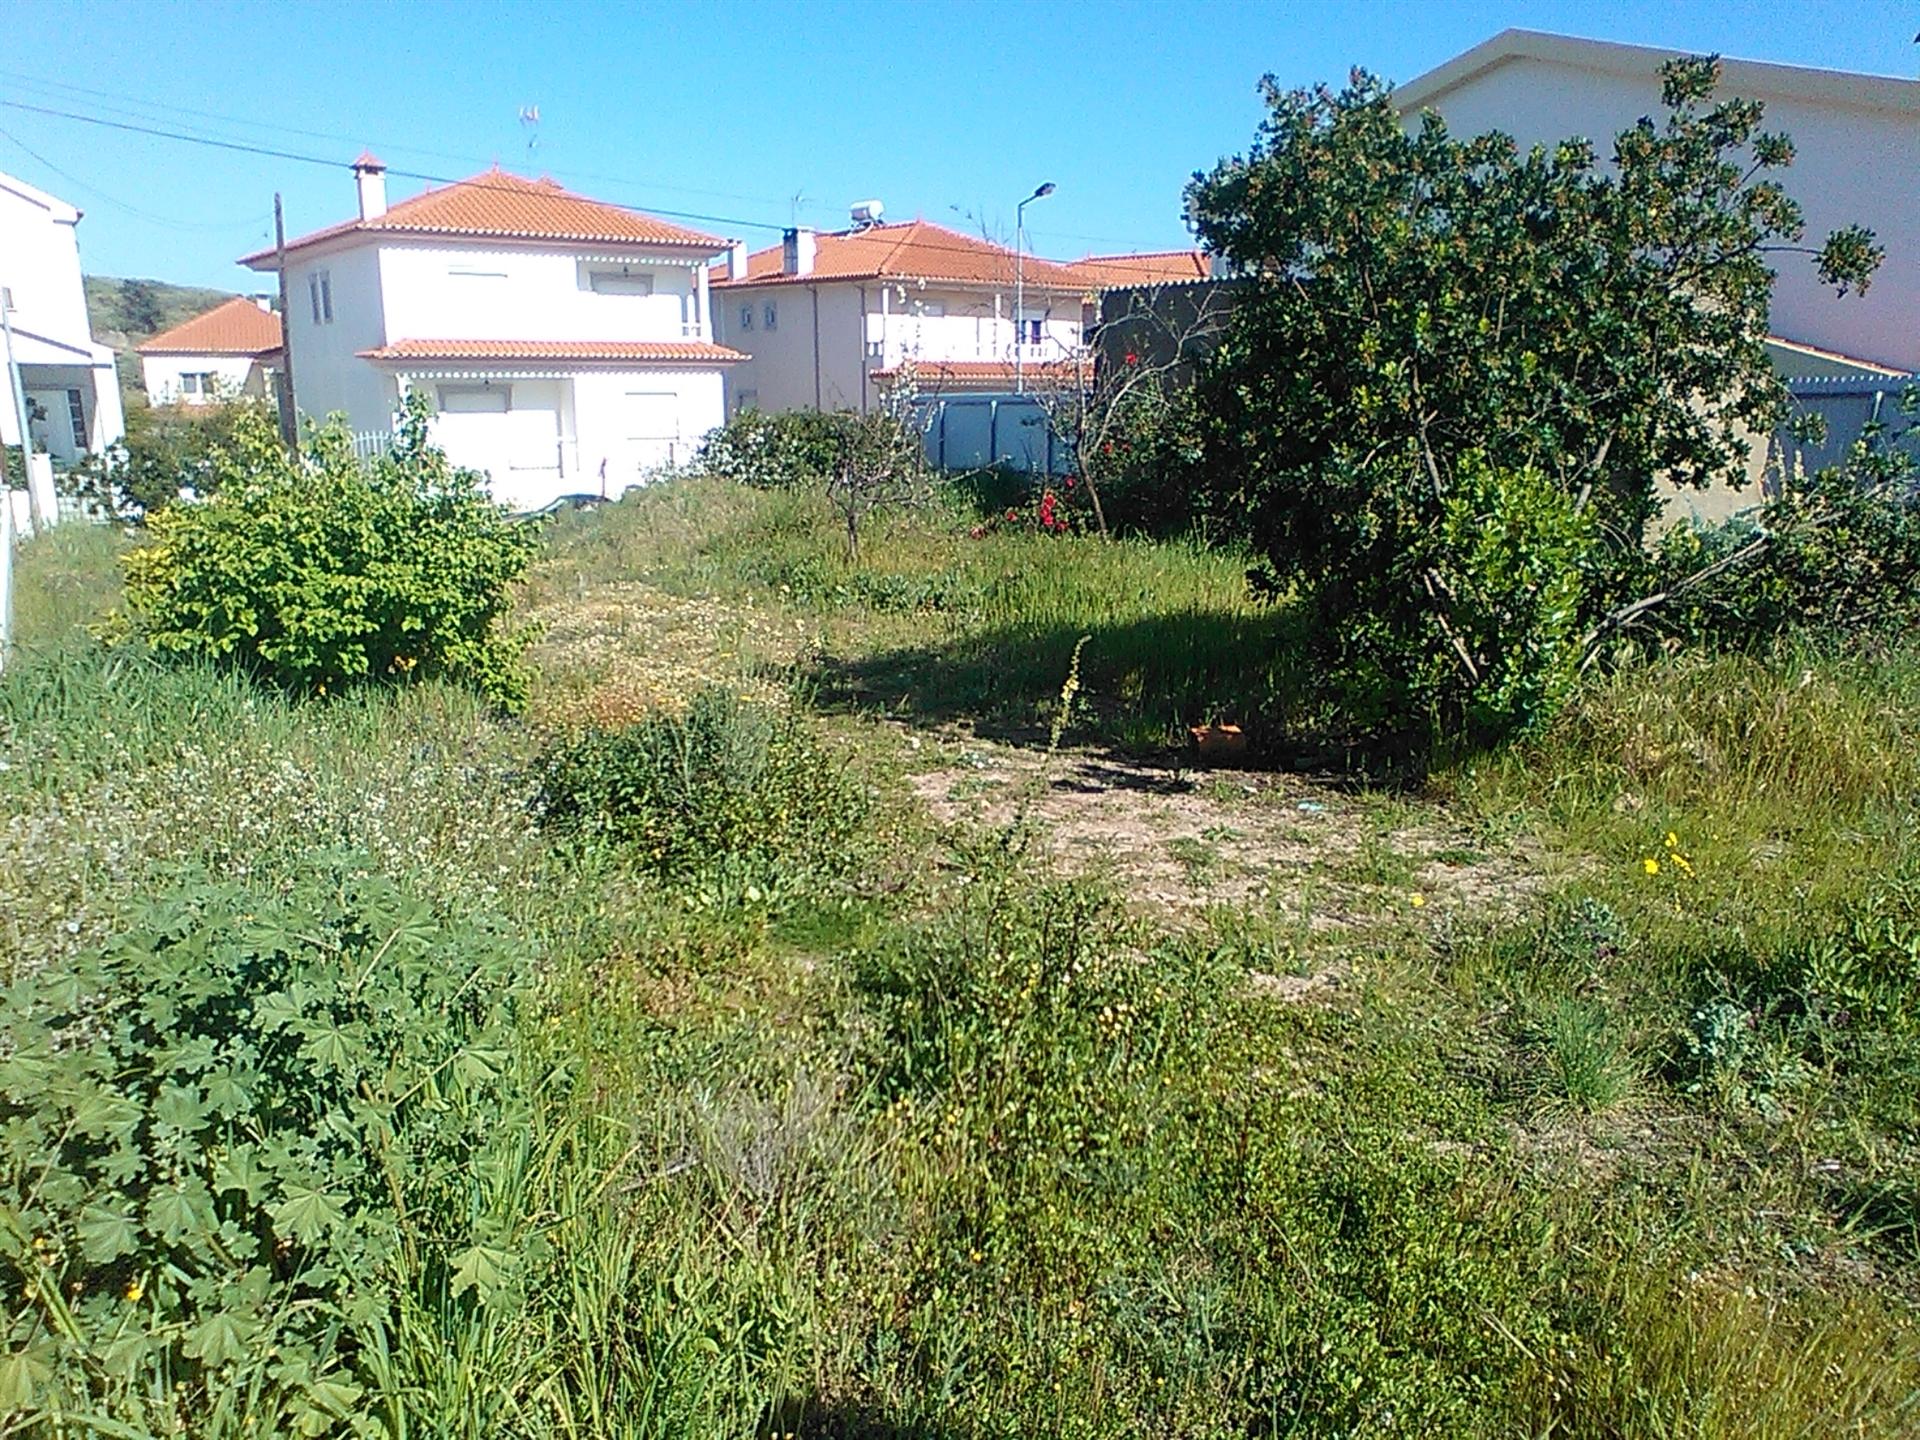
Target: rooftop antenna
point(530, 122)
point(793, 207)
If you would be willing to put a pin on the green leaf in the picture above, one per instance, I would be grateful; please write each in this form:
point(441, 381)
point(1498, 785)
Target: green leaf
point(219, 1338)
point(21, 1375)
point(486, 1269)
point(307, 1215)
point(106, 1234)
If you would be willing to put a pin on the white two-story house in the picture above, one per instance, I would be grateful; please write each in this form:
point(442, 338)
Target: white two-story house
point(72, 394)
point(831, 318)
point(564, 342)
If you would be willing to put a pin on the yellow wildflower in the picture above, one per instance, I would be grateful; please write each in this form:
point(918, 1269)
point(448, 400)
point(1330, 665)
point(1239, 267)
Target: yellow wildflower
point(1650, 865)
point(1673, 841)
point(134, 1292)
point(1416, 899)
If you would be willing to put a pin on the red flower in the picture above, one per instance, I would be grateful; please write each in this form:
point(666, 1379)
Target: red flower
point(1132, 359)
point(1069, 482)
point(1012, 515)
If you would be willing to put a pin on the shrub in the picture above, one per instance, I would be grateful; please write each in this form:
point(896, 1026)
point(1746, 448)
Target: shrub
point(774, 452)
point(726, 779)
point(1836, 554)
point(230, 1134)
point(166, 450)
point(323, 572)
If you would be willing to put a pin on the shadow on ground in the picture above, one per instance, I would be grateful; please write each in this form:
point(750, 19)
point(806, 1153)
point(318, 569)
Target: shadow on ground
point(1141, 682)
point(812, 1419)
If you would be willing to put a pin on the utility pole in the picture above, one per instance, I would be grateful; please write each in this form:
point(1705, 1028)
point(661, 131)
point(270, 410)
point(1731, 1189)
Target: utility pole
point(289, 421)
point(1020, 285)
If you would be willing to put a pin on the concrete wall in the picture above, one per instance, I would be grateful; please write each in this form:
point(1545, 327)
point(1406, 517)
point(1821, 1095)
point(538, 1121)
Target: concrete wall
point(1854, 164)
point(813, 357)
point(328, 373)
point(585, 432)
point(40, 264)
point(438, 292)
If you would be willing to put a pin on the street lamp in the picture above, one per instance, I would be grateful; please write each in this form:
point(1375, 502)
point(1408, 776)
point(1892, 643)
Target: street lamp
point(1020, 284)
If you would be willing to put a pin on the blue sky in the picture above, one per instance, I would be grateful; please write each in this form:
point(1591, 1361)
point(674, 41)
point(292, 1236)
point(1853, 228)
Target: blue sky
point(950, 111)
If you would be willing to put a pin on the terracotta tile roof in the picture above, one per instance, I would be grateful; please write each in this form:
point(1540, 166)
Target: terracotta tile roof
point(997, 374)
point(915, 250)
point(500, 205)
point(1147, 267)
point(646, 351)
point(237, 327)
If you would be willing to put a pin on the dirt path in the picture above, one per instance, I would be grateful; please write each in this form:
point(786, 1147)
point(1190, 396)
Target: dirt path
point(1187, 840)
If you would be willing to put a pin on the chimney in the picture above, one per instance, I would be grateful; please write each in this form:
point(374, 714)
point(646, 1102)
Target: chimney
point(737, 260)
point(370, 175)
point(265, 302)
point(796, 251)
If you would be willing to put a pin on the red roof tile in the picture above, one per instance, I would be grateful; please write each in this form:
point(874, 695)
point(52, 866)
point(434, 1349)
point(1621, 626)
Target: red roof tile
point(237, 327)
point(496, 204)
point(1147, 267)
point(916, 250)
point(646, 351)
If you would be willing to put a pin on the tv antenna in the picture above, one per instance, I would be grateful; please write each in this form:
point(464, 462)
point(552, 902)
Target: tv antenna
point(530, 122)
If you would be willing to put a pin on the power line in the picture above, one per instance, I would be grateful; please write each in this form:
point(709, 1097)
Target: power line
point(330, 163)
point(119, 204)
point(132, 106)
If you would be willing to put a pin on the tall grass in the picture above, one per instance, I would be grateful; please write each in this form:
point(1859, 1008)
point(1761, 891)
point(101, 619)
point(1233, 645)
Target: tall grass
point(954, 1149)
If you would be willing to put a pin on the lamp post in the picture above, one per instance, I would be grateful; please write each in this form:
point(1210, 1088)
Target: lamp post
point(1020, 285)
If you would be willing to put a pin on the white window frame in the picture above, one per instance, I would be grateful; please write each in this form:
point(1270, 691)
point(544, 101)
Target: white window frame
point(320, 296)
point(624, 283)
point(746, 317)
point(482, 391)
point(770, 316)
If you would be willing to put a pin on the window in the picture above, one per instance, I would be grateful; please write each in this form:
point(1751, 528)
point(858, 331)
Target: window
point(771, 316)
point(196, 382)
point(474, 399)
point(746, 317)
point(1030, 331)
point(77, 414)
point(620, 282)
point(320, 295)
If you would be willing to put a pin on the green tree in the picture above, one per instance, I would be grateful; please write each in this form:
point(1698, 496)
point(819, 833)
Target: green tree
point(1459, 370)
point(140, 307)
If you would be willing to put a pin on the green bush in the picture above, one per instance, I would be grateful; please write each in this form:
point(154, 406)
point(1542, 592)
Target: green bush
point(724, 780)
point(775, 452)
point(326, 572)
point(230, 1134)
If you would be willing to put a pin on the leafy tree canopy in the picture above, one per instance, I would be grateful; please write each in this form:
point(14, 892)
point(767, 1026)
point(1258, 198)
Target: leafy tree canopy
point(1459, 370)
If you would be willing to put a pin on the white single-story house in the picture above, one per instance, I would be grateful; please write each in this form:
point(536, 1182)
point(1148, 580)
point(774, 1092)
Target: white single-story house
point(1857, 153)
point(565, 342)
point(72, 393)
point(231, 350)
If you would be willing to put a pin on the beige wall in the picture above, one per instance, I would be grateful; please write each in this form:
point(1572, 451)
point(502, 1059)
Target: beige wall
point(1854, 164)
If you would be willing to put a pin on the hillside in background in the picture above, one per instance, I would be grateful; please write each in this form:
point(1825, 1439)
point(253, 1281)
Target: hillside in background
point(124, 313)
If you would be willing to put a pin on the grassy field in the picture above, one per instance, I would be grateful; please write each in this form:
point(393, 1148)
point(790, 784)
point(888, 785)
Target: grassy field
point(1047, 1085)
